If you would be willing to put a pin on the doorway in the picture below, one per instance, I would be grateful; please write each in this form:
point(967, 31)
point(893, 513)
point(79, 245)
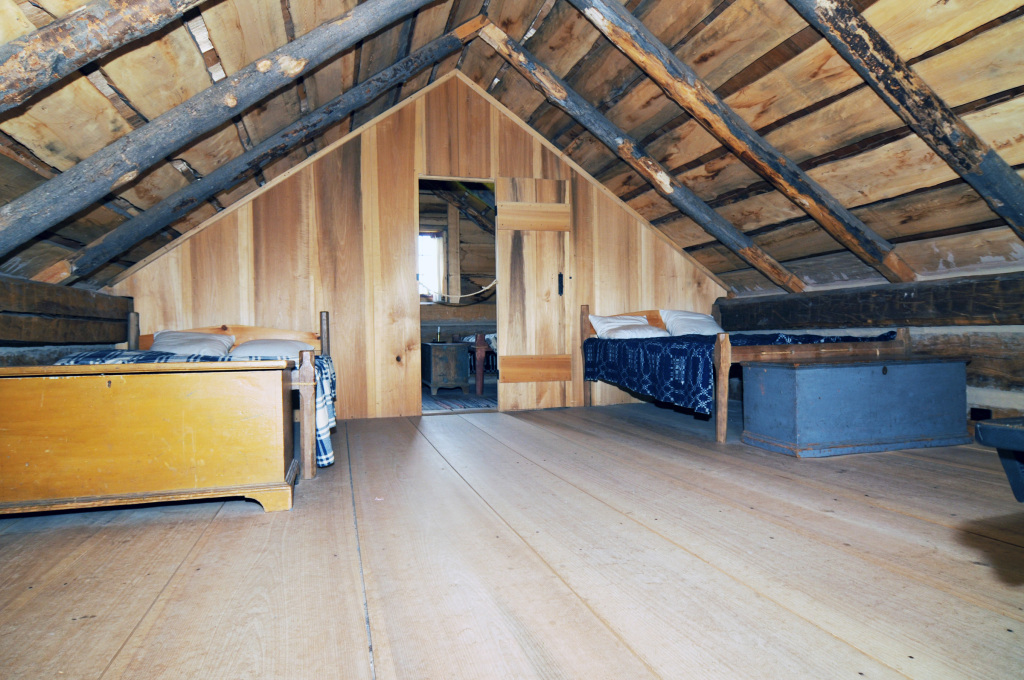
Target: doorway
point(456, 277)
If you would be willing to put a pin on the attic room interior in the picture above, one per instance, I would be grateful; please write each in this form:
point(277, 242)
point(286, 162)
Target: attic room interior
point(727, 293)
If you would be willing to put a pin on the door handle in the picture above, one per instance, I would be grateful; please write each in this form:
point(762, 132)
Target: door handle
point(561, 285)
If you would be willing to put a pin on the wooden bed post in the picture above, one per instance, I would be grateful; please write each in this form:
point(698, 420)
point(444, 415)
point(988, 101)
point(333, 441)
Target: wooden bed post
point(133, 330)
point(723, 362)
point(584, 325)
point(325, 334)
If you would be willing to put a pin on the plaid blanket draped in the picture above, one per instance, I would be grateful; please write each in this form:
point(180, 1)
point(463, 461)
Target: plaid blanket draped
point(679, 369)
point(323, 368)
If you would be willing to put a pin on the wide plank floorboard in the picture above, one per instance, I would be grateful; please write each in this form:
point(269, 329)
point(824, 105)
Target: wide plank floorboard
point(452, 590)
point(612, 542)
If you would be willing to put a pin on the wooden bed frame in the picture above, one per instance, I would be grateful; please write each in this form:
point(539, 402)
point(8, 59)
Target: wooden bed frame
point(725, 355)
point(87, 436)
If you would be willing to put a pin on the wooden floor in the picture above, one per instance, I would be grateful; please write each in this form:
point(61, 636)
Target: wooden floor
point(615, 542)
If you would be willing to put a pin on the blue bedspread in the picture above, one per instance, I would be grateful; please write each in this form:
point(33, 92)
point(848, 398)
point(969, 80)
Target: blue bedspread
point(679, 369)
point(323, 368)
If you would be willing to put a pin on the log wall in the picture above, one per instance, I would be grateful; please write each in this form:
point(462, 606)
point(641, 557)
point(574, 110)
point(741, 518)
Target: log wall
point(339, 233)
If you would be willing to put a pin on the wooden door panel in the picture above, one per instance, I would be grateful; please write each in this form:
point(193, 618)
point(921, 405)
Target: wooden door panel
point(534, 243)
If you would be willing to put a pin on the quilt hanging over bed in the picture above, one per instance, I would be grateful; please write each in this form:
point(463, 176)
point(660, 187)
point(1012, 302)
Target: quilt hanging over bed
point(323, 368)
point(679, 369)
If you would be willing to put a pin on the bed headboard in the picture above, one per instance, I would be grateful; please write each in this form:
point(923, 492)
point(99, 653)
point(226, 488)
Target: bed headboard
point(319, 340)
point(587, 329)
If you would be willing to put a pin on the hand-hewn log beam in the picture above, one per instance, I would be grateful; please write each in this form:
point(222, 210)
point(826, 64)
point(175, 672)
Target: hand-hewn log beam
point(302, 131)
point(124, 160)
point(977, 300)
point(478, 217)
point(35, 61)
point(38, 313)
point(684, 87)
point(913, 100)
point(630, 151)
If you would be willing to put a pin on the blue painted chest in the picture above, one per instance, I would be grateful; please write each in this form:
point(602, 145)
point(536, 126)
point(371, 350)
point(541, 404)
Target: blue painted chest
point(833, 407)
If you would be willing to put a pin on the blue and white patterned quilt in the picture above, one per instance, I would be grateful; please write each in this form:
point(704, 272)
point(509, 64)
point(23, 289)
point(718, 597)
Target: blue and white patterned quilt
point(323, 368)
point(679, 369)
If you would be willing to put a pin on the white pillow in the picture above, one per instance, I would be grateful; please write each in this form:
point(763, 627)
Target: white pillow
point(637, 331)
point(603, 324)
point(185, 342)
point(270, 348)
point(689, 323)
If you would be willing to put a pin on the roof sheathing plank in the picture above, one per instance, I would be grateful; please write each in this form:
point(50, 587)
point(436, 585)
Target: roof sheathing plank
point(242, 31)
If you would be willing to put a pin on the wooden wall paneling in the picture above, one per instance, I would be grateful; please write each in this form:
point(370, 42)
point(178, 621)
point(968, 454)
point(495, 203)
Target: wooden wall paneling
point(216, 278)
point(473, 132)
point(396, 321)
point(583, 217)
point(339, 234)
point(282, 220)
point(669, 281)
point(515, 149)
point(457, 137)
point(246, 265)
point(617, 286)
point(163, 296)
point(341, 281)
point(441, 148)
point(371, 265)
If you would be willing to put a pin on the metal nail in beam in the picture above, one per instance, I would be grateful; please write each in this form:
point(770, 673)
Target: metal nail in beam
point(33, 62)
point(122, 161)
point(302, 131)
point(630, 151)
point(913, 100)
point(684, 87)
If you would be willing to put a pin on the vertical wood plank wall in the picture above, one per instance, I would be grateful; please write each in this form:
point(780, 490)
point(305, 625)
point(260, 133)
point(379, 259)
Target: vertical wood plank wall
point(339, 233)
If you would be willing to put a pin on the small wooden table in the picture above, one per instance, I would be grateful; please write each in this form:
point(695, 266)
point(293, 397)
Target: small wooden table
point(830, 407)
point(446, 364)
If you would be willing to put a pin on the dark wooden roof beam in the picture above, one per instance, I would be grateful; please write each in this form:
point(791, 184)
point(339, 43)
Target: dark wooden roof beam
point(685, 88)
point(122, 161)
point(33, 62)
point(237, 169)
point(561, 95)
point(910, 97)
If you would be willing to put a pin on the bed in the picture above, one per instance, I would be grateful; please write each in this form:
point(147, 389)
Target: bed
point(174, 428)
point(700, 364)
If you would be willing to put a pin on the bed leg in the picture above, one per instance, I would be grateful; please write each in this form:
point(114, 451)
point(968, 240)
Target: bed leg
point(480, 348)
point(306, 385)
point(723, 362)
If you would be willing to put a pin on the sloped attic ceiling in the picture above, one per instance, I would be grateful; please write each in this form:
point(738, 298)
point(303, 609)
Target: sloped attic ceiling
point(766, 63)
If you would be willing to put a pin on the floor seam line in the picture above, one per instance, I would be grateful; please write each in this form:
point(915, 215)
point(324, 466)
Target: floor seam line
point(359, 554)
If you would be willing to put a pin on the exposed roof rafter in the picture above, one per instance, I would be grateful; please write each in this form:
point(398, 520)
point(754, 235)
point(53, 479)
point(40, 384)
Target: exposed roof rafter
point(561, 95)
point(122, 161)
point(234, 171)
point(686, 89)
point(35, 61)
point(913, 100)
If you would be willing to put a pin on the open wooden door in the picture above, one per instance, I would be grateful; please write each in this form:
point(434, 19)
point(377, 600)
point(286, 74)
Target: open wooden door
point(534, 247)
